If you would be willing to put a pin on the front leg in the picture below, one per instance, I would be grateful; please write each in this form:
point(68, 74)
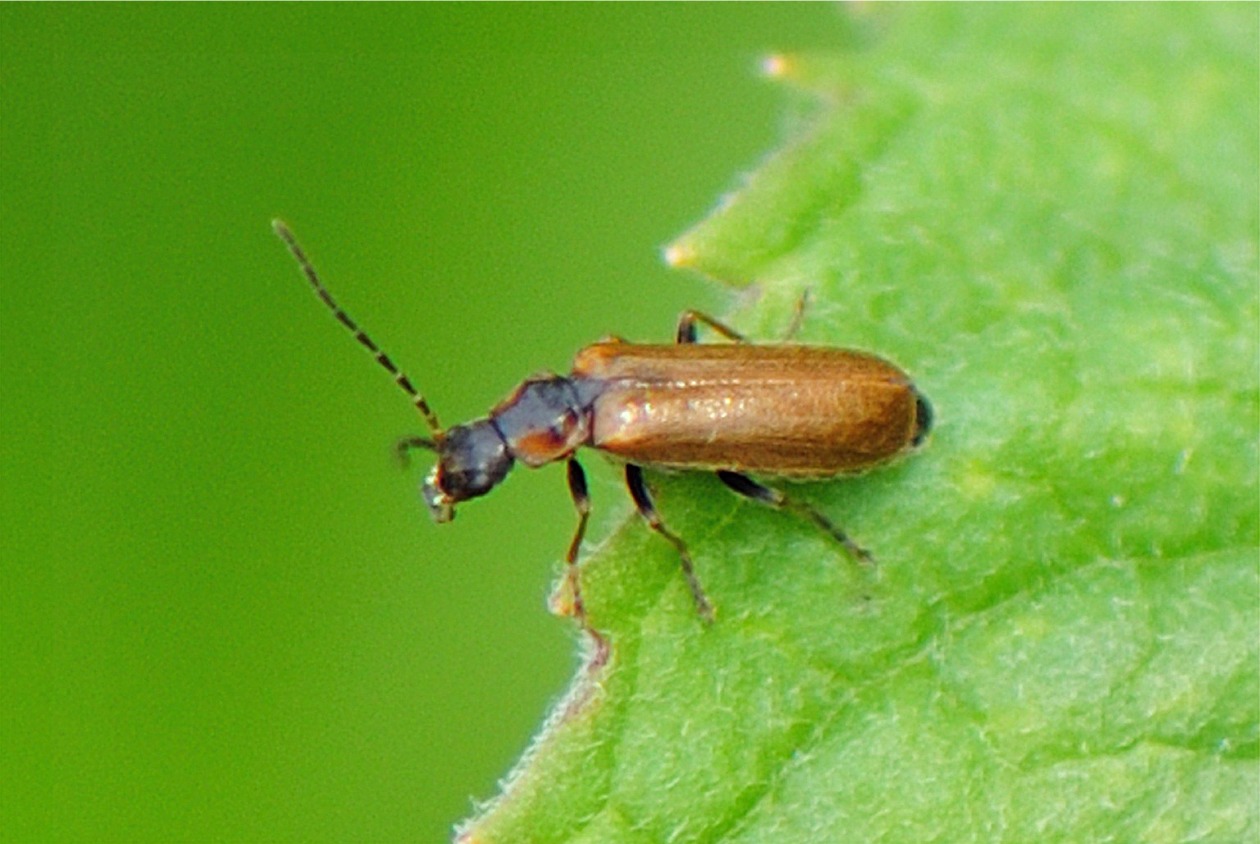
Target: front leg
point(582, 501)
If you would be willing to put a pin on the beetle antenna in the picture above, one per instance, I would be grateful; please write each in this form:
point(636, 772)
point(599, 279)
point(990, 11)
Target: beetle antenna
point(400, 377)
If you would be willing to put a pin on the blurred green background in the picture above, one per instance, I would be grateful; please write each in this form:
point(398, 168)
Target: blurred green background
point(225, 614)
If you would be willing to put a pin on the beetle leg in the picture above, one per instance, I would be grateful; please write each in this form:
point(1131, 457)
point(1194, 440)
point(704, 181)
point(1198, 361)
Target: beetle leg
point(582, 501)
point(687, 324)
point(687, 328)
point(643, 501)
point(771, 497)
point(798, 317)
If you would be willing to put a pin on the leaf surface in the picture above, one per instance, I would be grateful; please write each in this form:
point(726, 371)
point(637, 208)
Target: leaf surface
point(1048, 215)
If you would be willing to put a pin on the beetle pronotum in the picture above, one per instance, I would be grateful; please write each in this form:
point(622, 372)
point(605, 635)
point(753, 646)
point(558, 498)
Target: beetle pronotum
point(736, 409)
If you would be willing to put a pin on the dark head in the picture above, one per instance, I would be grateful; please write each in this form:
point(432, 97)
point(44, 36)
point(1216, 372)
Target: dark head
point(472, 460)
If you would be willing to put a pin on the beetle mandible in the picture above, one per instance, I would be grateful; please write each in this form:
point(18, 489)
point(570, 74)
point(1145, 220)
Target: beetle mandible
point(738, 409)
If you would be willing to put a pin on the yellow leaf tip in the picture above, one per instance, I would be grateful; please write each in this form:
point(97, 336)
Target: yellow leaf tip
point(679, 255)
point(777, 66)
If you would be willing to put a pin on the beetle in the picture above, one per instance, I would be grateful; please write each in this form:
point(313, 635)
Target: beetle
point(737, 409)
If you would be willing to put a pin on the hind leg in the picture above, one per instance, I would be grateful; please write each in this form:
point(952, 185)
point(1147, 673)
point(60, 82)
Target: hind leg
point(771, 497)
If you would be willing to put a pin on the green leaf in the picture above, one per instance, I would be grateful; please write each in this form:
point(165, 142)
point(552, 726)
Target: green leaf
point(1048, 215)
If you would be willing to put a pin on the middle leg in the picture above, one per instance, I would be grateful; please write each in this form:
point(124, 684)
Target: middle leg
point(643, 501)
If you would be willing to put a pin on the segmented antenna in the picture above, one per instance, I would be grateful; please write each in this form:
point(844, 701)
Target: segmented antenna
point(400, 377)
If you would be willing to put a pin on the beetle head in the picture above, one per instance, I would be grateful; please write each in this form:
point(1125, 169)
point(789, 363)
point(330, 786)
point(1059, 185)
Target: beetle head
point(472, 460)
